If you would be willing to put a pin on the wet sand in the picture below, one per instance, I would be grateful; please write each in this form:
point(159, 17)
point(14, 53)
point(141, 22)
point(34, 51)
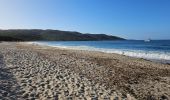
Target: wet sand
point(46, 73)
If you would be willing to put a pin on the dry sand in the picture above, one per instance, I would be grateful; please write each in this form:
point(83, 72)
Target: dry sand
point(46, 73)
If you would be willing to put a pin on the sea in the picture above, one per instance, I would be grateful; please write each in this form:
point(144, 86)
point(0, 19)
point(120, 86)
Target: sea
point(155, 50)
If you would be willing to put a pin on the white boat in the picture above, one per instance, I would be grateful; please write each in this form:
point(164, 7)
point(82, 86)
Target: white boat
point(148, 40)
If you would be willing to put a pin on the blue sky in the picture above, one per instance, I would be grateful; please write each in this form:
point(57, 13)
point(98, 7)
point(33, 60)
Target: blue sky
point(131, 19)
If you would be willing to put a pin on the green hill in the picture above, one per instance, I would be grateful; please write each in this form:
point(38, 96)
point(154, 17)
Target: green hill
point(51, 35)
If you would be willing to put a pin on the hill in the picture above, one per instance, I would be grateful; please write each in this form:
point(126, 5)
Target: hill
point(51, 35)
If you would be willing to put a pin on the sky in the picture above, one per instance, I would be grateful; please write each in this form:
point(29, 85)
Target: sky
point(130, 19)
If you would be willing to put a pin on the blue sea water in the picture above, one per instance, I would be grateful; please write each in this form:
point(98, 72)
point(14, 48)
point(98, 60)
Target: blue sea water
point(158, 50)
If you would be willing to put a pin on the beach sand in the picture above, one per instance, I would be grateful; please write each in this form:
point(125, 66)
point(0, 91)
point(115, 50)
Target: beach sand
point(34, 72)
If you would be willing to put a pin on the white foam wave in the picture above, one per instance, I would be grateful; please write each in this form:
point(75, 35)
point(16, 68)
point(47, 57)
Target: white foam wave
point(153, 55)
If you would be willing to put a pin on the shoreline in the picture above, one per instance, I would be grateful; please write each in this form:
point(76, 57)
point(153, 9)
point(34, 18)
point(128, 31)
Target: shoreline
point(116, 75)
point(69, 48)
point(93, 53)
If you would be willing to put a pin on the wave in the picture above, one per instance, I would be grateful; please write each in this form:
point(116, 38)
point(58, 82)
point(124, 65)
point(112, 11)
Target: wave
point(150, 55)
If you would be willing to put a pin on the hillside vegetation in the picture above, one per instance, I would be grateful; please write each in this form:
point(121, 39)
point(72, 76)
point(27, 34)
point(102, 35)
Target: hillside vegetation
point(51, 35)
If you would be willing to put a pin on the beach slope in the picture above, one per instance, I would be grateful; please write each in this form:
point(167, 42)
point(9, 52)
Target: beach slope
point(41, 72)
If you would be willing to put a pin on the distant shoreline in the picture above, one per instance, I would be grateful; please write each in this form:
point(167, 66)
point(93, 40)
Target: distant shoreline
point(51, 35)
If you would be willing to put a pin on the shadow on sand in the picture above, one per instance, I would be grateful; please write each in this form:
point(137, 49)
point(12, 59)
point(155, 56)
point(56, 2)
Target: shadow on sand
point(9, 89)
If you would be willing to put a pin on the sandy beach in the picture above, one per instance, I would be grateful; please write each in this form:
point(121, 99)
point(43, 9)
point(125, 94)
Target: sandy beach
point(34, 72)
